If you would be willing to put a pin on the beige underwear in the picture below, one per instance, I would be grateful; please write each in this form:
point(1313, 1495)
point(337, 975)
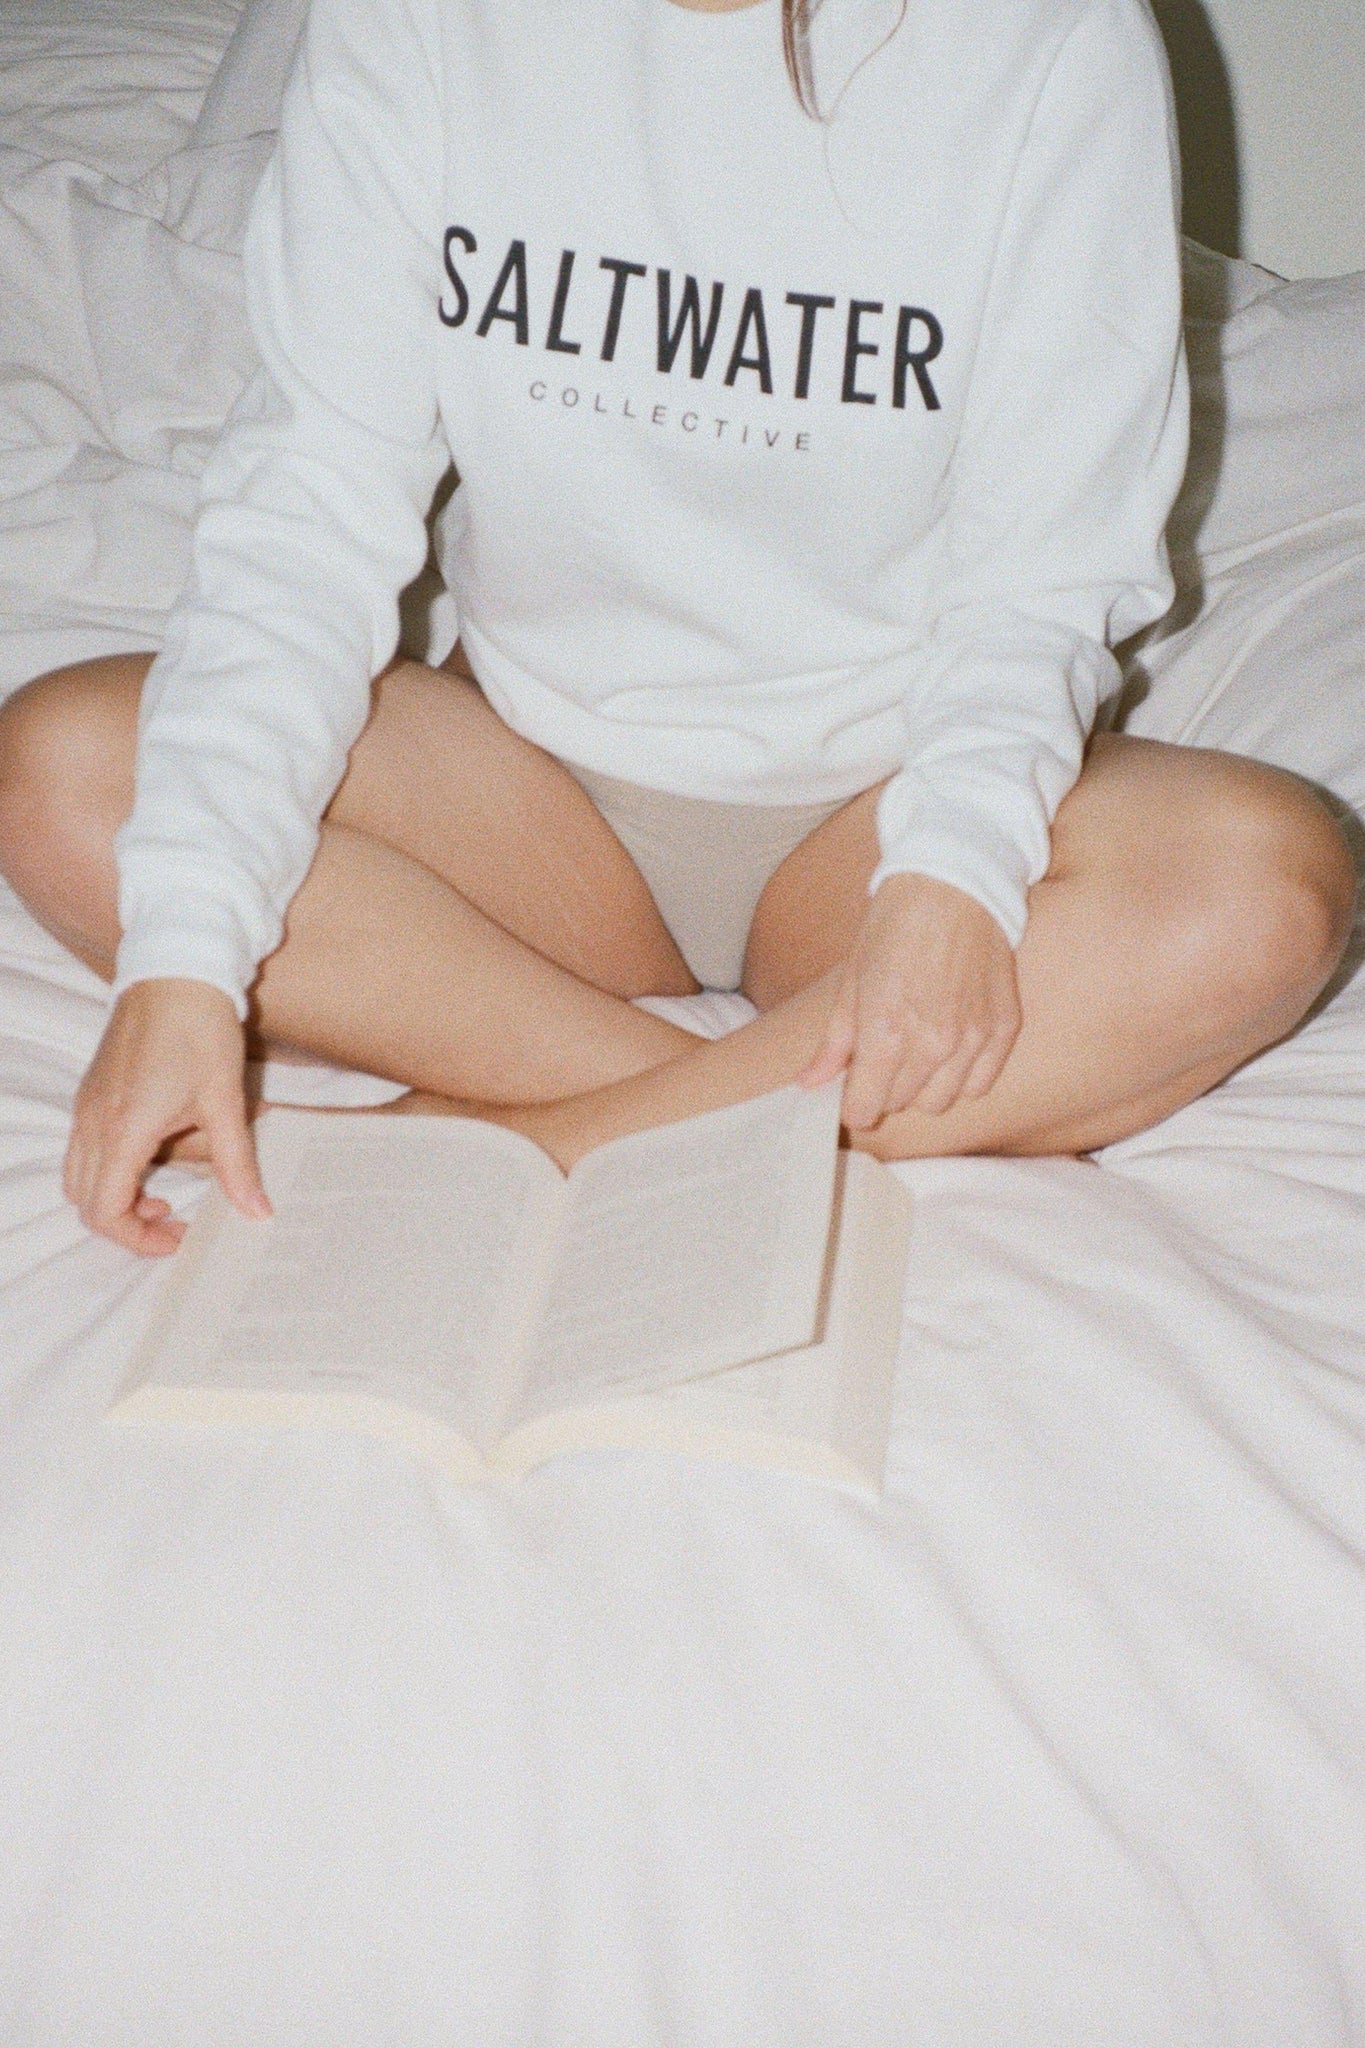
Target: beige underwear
point(706, 864)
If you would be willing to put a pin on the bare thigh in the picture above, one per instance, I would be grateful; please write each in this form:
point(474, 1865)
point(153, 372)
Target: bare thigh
point(436, 775)
point(1195, 906)
point(1183, 883)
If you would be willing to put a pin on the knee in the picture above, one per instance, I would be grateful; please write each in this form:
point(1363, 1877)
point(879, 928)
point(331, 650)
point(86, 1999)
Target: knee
point(1278, 904)
point(66, 772)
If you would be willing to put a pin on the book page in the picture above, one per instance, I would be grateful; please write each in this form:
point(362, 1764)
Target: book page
point(688, 1248)
point(822, 1410)
point(831, 1397)
point(400, 1263)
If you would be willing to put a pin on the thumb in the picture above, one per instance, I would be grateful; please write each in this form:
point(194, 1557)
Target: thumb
point(840, 1037)
point(234, 1157)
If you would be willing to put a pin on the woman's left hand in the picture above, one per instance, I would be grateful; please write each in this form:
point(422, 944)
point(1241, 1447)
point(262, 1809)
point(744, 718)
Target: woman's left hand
point(927, 1007)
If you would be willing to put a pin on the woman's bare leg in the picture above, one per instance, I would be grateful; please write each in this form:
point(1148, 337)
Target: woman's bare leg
point(1196, 905)
point(470, 926)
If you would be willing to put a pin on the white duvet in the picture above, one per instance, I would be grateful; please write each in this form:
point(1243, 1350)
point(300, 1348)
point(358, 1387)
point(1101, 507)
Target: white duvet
point(1062, 1748)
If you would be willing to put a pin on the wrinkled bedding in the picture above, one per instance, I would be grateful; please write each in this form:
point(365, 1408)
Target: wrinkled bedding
point(1063, 1747)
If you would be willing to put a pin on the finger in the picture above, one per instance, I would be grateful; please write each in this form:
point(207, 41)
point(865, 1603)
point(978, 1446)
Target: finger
point(167, 1229)
point(918, 1050)
point(990, 1061)
point(234, 1158)
point(110, 1200)
point(91, 1134)
point(149, 1236)
point(73, 1167)
point(76, 1165)
point(877, 1059)
point(85, 1169)
point(148, 1240)
point(840, 1035)
point(944, 1086)
point(985, 1072)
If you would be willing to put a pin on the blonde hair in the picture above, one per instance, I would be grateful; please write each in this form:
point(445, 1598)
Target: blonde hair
point(796, 49)
point(796, 20)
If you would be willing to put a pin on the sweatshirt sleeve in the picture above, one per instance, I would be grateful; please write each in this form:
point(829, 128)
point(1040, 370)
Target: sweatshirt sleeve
point(312, 512)
point(1072, 451)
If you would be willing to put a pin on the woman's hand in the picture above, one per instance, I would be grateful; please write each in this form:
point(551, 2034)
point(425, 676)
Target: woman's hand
point(172, 1060)
point(927, 1008)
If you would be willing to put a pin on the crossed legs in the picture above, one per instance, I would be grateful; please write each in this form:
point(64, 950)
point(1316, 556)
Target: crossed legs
point(472, 927)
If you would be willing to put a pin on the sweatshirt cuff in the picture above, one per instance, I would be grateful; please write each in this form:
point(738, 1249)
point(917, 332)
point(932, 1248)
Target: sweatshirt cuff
point(200, 948)
point(980, 862)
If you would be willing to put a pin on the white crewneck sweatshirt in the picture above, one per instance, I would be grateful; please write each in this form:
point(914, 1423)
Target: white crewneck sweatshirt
point(794, 453)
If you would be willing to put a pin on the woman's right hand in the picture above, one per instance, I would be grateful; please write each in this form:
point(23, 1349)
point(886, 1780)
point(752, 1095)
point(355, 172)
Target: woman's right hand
point(172, 1060)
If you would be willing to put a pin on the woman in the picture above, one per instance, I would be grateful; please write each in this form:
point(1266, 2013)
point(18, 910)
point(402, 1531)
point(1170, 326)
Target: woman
point(810, 464)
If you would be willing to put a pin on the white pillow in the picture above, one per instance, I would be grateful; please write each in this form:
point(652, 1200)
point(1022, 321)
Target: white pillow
point(1279, 402)
point(1265, 650)
point(1274, 663)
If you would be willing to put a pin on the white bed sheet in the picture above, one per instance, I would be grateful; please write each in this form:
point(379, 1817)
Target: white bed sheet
point(1061, 1748)
point(114, 84)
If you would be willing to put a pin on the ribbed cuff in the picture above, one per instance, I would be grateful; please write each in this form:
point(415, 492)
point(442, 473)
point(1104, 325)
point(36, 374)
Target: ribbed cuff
point(192, 950)
point(975, 869)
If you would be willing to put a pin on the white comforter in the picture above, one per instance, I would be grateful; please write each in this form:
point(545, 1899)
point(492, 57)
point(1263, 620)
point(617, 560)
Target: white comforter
point(1061, 1748)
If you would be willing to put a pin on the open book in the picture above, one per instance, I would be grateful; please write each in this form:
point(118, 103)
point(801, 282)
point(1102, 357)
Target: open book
point(728, 1286)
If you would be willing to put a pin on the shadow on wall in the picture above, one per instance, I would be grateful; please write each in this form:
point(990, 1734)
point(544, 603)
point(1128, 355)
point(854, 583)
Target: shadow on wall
point(1208, 125)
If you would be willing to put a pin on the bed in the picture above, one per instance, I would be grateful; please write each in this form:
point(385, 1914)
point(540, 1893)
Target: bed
point(1063, 1746)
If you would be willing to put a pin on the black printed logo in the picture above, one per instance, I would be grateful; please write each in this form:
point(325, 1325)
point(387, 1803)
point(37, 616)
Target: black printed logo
point(862, 350)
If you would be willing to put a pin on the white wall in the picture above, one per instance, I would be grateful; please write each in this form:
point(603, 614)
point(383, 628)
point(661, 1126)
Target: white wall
point(1272, 107)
